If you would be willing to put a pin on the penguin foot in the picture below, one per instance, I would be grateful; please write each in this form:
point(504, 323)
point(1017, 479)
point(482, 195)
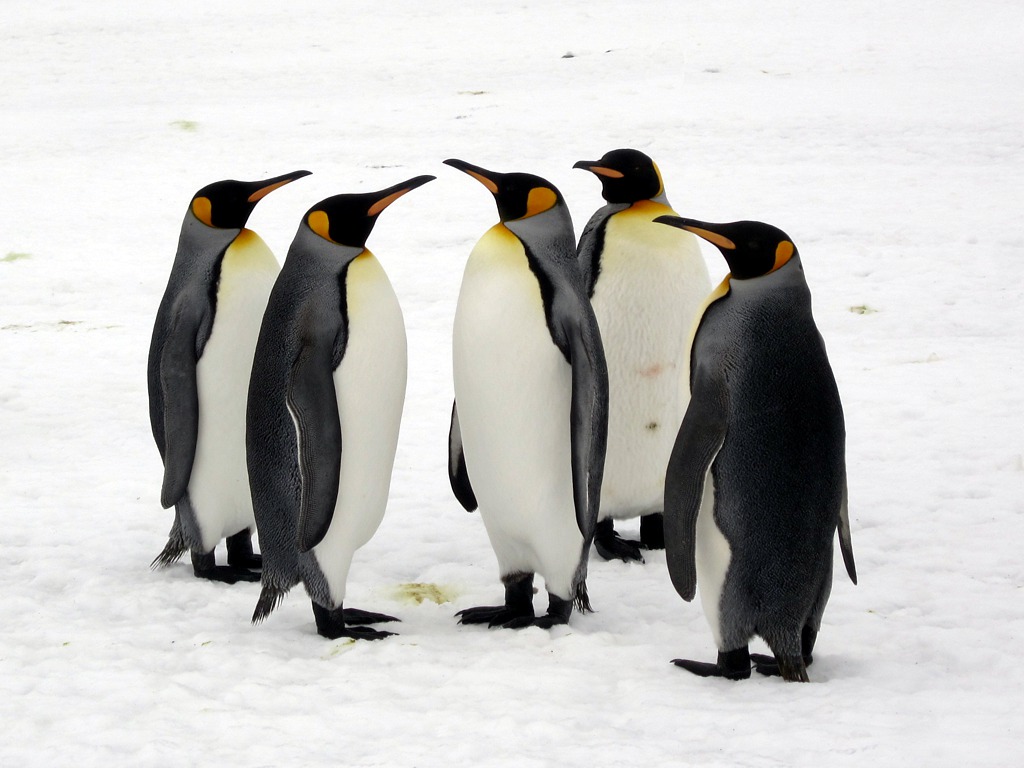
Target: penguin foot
point(356, 616)
point(611, 546)
point(559, 611)
point(496, 616)
point(518, 604)
point(332, 625)
point(732, 665)
point(769, 666)
point(205, 567)
point(652, 531)
point(240, 554)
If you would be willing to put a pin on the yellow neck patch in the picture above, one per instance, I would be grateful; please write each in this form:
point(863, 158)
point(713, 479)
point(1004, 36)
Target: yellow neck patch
point(540, 199)
point(661, 183)
point(783, 253)
point(320, 223)
point(202, 209)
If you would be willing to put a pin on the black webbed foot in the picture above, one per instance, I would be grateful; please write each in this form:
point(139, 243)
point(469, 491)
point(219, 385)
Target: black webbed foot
point(332, 625)
point(356, 616)
point(205, 567)
point(611, 546)
point(496, 616)
point(559, 611)
point(652, 531)
point(240, 554)
point(518, 605)
point(731, 665)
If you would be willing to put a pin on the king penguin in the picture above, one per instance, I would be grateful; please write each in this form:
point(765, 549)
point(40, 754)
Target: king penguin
point(529, 424)
point(325, 405)
point(646, 283)
point(199, 362)
point(766, 424)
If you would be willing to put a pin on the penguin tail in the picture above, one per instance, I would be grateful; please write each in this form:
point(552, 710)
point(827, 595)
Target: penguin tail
point(792, 668)
point(171, 553)
point(581, 599)
point(270, 598)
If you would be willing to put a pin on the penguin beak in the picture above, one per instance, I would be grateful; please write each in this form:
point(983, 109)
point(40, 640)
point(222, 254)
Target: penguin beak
point(485, 177)
point(389, 195)
point(598, 169)
point(701, 229)
point(264, 188)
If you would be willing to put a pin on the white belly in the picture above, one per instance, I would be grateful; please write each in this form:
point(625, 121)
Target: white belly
point(652, 283)
point(713, 555)
point(219, 484)
point(370, 387)
point(512, 387)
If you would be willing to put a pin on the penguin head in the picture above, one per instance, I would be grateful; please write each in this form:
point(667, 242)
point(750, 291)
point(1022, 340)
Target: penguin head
point(518, 195)
point(752, 248)
point(626, 175)
point(227, 204)
point(349, 219)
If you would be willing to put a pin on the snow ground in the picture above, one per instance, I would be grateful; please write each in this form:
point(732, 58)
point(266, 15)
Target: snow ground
point(884, 138)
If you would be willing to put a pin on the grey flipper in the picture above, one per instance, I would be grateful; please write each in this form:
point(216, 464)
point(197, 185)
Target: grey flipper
point(313, 405)
point(700, 437)
point(591, 245)
point(845, 540)
point(589, 420)
point(180, 401)
point(458, 476)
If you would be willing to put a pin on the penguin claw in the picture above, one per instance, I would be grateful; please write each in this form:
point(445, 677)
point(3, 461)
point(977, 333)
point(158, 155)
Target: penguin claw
point(731, 665)
point(707, 669)
point(332, 624)
point(493, 616)
point(356, 633)
point(611, 546)
point(356, 616)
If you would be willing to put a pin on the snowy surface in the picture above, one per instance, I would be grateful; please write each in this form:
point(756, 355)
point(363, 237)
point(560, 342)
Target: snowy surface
point(885, 138)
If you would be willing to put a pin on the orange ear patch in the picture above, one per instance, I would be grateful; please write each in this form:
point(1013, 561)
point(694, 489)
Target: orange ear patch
point(320, 223)
point(202, 209)
point(783, 253)
point(540, 199)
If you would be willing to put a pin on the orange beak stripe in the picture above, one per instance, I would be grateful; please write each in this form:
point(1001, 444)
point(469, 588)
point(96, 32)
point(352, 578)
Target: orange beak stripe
point(713, 237)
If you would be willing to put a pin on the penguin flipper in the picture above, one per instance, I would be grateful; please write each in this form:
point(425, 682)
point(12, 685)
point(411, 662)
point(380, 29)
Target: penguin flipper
point(845, 539)
point(180, 394)
point(591, 245)
point(589, 423)
point(313, 405)
point(458, 476)
point(700, 437)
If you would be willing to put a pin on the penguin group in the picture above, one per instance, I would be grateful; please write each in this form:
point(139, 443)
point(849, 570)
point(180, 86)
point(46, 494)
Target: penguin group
point(595, 380)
